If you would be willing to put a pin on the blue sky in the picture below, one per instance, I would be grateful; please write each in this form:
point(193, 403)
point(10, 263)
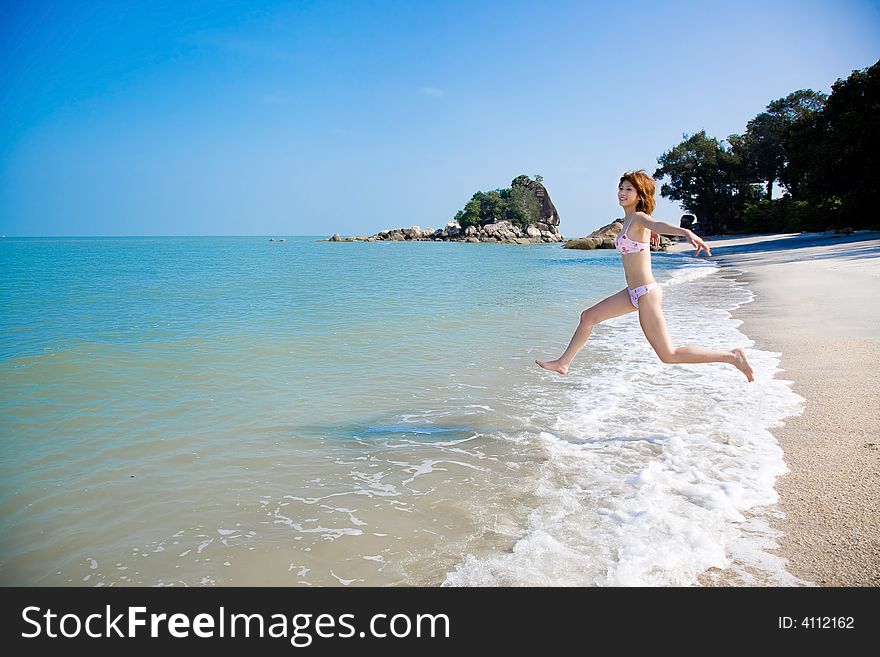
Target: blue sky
point(309, 118)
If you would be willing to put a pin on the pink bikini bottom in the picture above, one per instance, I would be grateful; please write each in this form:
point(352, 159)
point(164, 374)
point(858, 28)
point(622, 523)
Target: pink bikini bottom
point(634, 294)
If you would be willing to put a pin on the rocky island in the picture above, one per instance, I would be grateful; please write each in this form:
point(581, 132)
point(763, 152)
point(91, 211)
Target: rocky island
point(520, 214)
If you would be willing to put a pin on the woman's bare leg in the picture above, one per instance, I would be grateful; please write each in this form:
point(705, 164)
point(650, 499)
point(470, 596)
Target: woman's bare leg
point(654, 326)
point(613, 306)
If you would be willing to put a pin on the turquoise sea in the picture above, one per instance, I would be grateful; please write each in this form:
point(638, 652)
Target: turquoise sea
point(234, 411)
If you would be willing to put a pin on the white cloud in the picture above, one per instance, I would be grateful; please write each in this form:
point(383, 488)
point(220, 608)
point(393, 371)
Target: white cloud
point(432, 91)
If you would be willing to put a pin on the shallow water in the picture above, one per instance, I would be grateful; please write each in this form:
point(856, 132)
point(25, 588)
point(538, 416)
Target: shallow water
point(234, 411)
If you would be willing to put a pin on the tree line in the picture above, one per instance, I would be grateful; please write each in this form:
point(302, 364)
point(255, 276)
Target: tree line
point(821, 149)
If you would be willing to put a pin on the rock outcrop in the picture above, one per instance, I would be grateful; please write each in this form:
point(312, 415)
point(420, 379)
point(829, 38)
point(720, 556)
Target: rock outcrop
point(604, 239)
point(498, 231)
point(549, 216)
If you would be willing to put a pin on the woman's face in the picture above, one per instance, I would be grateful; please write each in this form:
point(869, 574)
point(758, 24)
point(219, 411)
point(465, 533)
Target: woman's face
point(626, 194)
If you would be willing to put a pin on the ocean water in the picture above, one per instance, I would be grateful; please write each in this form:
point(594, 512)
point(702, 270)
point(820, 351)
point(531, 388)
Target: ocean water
point(230, 411)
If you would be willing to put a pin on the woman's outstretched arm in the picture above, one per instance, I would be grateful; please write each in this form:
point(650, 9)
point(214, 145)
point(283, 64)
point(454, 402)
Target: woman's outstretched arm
point(660, 227)
point(664, 228)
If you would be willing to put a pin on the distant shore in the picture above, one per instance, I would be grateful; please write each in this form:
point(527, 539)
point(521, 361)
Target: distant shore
point(816, 303)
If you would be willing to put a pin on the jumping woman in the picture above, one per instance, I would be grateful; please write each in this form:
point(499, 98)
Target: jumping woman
point(636, 195)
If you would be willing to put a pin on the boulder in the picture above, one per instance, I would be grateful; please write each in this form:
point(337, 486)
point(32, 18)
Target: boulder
point(549, 215)
point(581, 243)
point(452, 228)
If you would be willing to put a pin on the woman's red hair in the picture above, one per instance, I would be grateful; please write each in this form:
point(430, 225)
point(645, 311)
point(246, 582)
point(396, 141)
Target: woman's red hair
point(644, 185)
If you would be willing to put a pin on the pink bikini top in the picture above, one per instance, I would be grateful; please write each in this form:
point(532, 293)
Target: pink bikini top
point(626, 245)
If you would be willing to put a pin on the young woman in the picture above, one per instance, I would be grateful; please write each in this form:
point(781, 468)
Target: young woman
point(636, 195)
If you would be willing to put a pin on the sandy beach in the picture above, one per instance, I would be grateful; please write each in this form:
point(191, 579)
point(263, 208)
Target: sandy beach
point(816, 303)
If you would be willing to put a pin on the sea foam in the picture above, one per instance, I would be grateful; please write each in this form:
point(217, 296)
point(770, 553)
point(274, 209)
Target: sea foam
point(655, 473)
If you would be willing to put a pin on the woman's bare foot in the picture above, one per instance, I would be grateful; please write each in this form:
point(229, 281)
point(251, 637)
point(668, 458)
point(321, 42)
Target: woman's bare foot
point(742, 364)
point(553, 366)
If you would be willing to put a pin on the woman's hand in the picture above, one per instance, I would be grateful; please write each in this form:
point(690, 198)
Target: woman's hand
point(698, 243)
point(655, 239)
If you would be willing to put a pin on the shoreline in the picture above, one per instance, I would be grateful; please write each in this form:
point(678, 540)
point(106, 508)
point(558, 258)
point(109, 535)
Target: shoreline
point(814, 303)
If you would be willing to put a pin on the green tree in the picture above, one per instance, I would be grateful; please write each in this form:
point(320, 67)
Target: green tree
point(806, 148)
point(823, 149)
point(763, 146)
point(517, 203)
point(743, 182)
point(841, 160)
point(492, 206)
point(702, 175)
point(523, 207)
point(470, 215)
